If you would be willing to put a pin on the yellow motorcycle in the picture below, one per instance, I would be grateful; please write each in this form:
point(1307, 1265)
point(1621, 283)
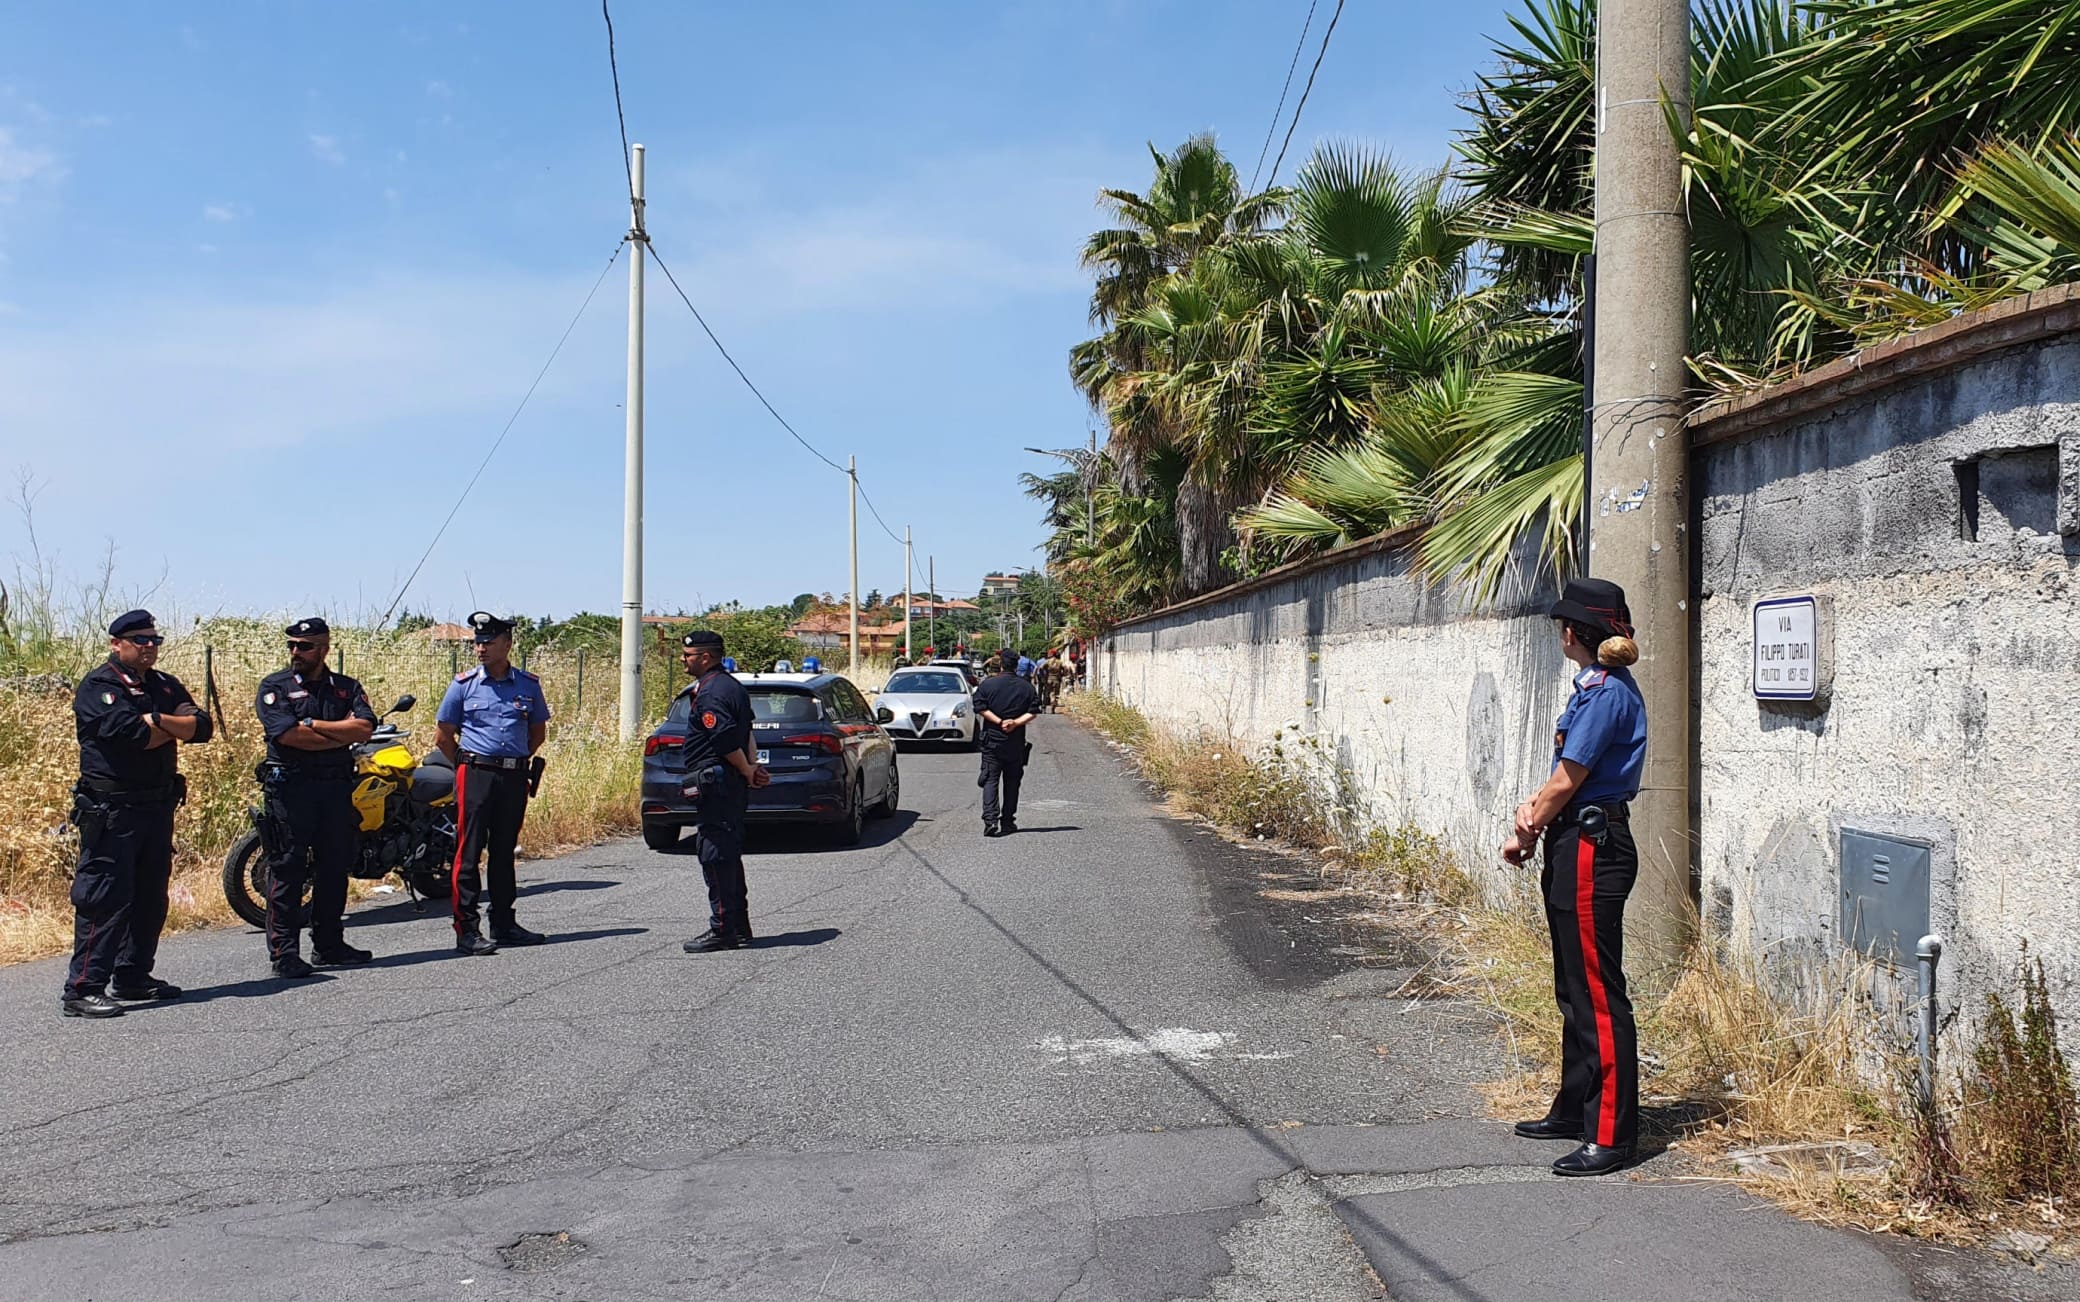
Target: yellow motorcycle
point(407, 809)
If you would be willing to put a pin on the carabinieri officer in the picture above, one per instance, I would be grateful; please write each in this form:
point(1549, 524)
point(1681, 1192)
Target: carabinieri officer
point(721, 770)
point(1583, 814)
point(128, 716)
point(491, 722)
point(313, 719)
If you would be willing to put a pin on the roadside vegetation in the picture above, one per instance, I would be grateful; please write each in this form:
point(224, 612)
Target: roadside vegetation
point(1808, 1096)
point(1284, 368)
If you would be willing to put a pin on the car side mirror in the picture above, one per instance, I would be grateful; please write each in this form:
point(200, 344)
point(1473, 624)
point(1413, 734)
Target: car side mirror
point(405, 702)
point(884, 715)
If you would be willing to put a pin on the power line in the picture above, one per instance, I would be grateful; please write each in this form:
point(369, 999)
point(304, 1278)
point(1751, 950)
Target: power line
point(878, 520)
point(1297, 108)
point(1280, 111)
point(733, 363)
point(500, 440)
point(614, 67)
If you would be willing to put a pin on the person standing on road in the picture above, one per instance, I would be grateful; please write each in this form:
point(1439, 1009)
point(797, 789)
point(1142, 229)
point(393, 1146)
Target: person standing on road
point(312, 718)
point(1582, 814)
point(1006, 703)
point(491, 722)
point(721, 772)
point(129, 718)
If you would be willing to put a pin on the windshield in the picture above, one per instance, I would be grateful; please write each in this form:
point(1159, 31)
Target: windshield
point(768, 705)
point(928, 684)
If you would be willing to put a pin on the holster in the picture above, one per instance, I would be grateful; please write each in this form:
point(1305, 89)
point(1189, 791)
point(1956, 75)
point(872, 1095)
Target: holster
point(1595, 824)
point(89, 814)
point(534, 776)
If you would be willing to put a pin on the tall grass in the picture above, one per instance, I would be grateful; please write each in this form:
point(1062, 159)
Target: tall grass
point(589, 790)
point(1730, 1057)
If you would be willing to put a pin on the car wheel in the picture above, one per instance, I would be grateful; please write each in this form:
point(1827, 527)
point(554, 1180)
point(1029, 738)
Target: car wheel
point(892, 799)
point(855, 825)
point(660, 836)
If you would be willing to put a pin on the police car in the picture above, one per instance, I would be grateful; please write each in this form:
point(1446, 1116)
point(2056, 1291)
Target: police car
point(832, 762)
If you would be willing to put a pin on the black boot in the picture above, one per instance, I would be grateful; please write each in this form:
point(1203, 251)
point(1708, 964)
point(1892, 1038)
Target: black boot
point(512, 933)
point(1551, 1128)
point(92, 1006)
point(473, 944)
point(340, 954)
point(151, 990)
point(992, 829)
point(291, 967)
point(1594, 1159)
point(711, 940)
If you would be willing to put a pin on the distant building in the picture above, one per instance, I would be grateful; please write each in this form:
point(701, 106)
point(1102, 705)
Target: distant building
point(996, 585)
point(445, 633)
point(922, 609)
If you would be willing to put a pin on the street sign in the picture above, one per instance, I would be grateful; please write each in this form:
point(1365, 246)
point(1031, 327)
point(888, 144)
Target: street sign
point(1787, 649)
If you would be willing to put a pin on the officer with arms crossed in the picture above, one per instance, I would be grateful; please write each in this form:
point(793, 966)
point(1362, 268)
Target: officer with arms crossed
point(721, 770)
point(312, 718)
point(1005, 703)
point(491, 722)
point(1599, 750)
point(129, 717)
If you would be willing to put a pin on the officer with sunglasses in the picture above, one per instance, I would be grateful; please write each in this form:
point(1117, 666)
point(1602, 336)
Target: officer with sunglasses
point(313, 718)
point(130, 719)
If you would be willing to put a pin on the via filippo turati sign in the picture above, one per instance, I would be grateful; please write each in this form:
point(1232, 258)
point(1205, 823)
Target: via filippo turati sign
point(1793, 648)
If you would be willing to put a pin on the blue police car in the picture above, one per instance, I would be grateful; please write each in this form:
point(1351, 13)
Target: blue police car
point(832, 762)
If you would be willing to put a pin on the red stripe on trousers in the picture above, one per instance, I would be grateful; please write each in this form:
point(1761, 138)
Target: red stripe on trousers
point(1592, 967)
point(461, 836)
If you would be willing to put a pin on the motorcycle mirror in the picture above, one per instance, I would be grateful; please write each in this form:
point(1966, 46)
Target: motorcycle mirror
point(405, 702)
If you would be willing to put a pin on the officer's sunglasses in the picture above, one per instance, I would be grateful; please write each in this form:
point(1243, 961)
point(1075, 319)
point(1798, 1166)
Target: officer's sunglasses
point(296, 645)
point(144, 639)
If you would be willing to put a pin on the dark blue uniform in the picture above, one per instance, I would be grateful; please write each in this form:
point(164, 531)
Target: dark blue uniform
point(1585, 882)
point(719, 723)
point(1003, 753)
point(315, 832)
point(124, 805)
point(493, 718)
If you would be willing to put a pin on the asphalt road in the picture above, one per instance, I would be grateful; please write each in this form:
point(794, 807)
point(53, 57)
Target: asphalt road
point(1091, 1061)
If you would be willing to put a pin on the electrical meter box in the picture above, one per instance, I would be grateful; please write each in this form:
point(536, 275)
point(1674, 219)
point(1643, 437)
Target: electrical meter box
point(1884, 894)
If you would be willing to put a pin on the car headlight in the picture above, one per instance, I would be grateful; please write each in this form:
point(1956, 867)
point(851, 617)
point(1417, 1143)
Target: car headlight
point(960, 710)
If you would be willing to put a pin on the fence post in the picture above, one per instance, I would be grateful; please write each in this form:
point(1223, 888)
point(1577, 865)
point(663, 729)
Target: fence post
point(341, 668)
point(454, 660)
point(581, 682)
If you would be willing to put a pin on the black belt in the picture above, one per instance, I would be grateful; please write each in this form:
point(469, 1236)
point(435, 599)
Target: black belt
point(1614, 811)
point(508, 762)
point(115, 793)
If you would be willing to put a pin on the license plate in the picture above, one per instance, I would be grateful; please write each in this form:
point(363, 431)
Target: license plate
point(765, 757)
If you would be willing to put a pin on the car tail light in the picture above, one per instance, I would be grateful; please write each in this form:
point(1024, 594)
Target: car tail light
point(826, 742)
point(663, 741)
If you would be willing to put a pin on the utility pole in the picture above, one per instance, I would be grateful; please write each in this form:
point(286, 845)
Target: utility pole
point(632, 481)
point(1090, 482)
point(931, 611)
point(1639, 534)
point(908, 599)
point(852, 598)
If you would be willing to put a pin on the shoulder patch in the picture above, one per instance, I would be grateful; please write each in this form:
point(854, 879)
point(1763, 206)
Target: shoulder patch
point(1596, 678)
point(267, 698)
point(708, 719)
point(108, 698)
point(532, 678)
point(465, 675)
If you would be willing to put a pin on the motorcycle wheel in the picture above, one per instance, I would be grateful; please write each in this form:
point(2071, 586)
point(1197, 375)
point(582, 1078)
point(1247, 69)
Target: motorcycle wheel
point(246, 879)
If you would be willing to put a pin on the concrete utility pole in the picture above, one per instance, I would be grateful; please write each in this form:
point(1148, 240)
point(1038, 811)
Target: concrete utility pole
point(908, 599)
point(931, 611)
point(852, 598)
point(632, 481)
point(1639, 534)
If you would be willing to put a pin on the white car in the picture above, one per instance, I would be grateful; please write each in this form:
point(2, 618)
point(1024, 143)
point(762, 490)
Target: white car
point(929, 703)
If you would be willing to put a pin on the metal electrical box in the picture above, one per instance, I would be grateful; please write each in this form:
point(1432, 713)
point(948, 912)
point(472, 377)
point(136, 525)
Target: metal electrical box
point(1884, 894)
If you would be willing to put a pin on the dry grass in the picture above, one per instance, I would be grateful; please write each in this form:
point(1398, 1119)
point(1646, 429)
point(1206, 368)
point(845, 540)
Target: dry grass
point(1732, 1057)
point(588, 792)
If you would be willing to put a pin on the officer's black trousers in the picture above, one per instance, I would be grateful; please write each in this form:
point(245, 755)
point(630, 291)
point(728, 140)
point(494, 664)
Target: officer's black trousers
point(1585, 888)
point(719, 839)
point(119, 896)
point(1005, 768)
point(320, 834)
point(491, 804)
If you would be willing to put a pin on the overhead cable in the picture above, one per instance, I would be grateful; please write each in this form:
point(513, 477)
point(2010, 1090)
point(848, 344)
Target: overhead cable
point(1297, 108)
point(500, 440)
point(1280, 111)
point(627, 165)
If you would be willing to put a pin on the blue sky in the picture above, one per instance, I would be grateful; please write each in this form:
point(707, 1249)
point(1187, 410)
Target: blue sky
point(272, 277)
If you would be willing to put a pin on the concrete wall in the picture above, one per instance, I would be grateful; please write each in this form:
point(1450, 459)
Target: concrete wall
point(1928, 491)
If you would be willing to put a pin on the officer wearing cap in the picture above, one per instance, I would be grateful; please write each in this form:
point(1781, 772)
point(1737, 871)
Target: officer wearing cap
point(721, 771)
point(491, 722)
point(129, 718)
point(1582, 814)
point(312, 718)
point(1005, 703)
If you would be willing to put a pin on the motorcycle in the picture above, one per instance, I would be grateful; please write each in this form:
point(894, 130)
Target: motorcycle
point(407, 827)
